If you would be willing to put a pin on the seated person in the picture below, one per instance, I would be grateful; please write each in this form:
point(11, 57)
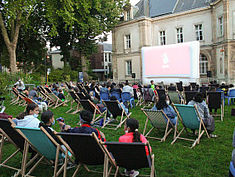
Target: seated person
point(85, 122)
point(203, 111)
point(132, 135)
point(34, 96)
point(47, 120)
point(61, 95)
point(29, 118)
point(163, 104)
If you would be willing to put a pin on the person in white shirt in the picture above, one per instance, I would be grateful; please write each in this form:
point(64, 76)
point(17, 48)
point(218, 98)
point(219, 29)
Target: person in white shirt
point(29, 118)
point(20, 85)
point(128, 88)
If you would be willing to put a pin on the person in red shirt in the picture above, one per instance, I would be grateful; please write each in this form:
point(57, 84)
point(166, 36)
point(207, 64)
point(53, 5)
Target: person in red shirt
point(133, 135)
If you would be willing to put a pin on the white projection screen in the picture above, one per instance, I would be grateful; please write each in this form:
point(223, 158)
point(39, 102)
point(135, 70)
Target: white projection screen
point(171, 63)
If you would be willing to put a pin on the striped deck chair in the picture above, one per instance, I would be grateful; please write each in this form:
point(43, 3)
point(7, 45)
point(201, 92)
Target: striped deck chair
point(116, 109)
point(87, 150)
point(46, 147)
point(7, 131)
point(158, 120)
point(88, 105)
point(190, 118)
point(131, 156)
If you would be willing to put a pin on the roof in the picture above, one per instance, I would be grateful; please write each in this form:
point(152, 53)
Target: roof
point(161, 7)
point(164, 7)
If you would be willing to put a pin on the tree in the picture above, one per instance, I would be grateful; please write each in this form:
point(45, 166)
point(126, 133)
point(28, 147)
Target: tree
point(15, 13)
point(92, 19)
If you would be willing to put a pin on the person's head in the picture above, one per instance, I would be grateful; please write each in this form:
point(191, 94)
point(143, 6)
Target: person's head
point(198, 97)
point(151, 82)
point(31, 109)
point(161, 102)
point(47, 118)
point(132, 125)
point(85, 117)
point(126, 83)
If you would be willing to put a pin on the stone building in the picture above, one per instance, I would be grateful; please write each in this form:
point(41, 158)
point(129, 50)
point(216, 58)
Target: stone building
point(158, 22)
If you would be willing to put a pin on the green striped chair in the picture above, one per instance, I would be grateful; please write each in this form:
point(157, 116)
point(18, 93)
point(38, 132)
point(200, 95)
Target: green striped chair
point(190, 118)
point(45, 145)
point(158, 120)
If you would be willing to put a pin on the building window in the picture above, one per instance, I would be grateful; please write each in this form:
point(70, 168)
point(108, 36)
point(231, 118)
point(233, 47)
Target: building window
point(109, 57)
point(105, 57)
point(220, 26)
point(180, 38)
point(106, 70)
point(221, 66)
point(128, 15)
point(128, 67)
point(199, 32)
point(162, 37)
point(203, 64)
point(128, 41)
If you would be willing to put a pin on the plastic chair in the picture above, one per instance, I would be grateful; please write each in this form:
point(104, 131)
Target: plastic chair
point(126, 98)
point(231, 95)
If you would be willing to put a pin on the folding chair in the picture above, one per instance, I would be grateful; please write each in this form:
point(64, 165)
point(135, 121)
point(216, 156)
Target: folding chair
point(190, 118)
point(231, 95)
point(232, 168)
point(46, 147)
point(46, 96)
point(175, 97)
point(131, 156)
point(104, 96)
point(57, 100)
point(17, 97)
point(75, 99)
point(89, 106)
point(215, 102)
point(7, 131)
point(87, 150)
point(116, 94)
point(158, 120)
point(189, 95)
point(116, 109)
point(127, 99)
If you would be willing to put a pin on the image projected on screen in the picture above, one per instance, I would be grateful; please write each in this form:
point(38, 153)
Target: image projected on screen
point(168, 61)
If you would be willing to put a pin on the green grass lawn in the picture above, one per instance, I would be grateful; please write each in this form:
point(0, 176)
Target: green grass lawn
point(210, 158)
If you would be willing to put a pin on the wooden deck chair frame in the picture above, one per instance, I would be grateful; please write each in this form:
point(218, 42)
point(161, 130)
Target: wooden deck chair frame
point(93, 109)
point(47, 97)
point(221, 115)
point(58, 148)
point(107, 156)
point(58, 101)
point(19, 148)
point(75, 99)
point(201, 128)
point(123, 159)
point(17, 99)
point(152, 116)
point(111, 108)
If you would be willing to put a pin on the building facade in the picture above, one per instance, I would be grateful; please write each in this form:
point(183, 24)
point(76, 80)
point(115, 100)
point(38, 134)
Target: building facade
point(156, 22)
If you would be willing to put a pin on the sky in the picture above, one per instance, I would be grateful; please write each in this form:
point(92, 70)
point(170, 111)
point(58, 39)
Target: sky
point(133, 2)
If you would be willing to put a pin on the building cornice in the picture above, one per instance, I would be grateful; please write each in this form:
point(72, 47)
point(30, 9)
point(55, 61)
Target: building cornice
point(140, 19)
